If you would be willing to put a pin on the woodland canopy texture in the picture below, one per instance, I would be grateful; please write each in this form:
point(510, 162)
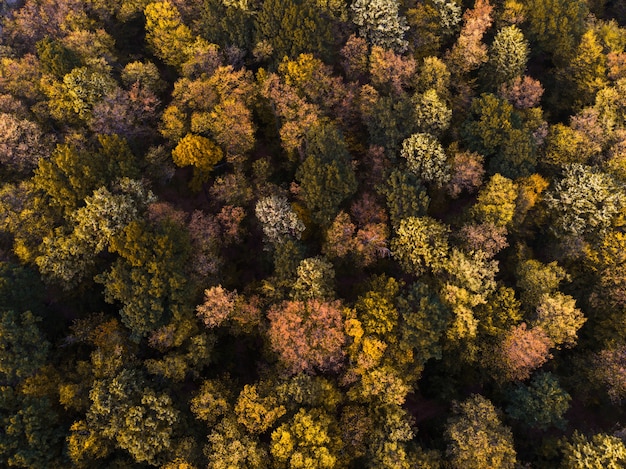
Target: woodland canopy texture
point(313, 234)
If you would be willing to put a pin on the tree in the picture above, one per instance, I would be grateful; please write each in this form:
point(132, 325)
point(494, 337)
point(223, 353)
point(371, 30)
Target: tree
point(522, 92)
point(466, 172)
point(32, 434)
point(148, 276)
point(131, 114)
point(477, 438)
point(432, 113)
point(391, 73)
point(586, 73)
point(508, 54)
point(74, 98)
point(420, 243)
point(24, 349)
point(535, 280)
point(309, 440)
point(558, 316)
point(212, 401)
point(316, 278)
point(469, 52)
point(23, 143)
point(510, 138)
point(307, 335)
point(426, 158)
point(199, 152)
point(227, 24)
point(230, 445)
point(584, 202)
point(326, 176)
point(280, 222)
point(540, 405)
point(68, 258)
point(609, 366)
point(496, 202)
point(380, 23)
point(521, 351)
point(555, 26)
point(600, 452)
point(168, 36)
point(145, 73)
point(255, 412)
point(468, 282)
point(128, 413)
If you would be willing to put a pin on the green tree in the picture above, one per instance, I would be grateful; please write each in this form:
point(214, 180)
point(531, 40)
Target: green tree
point(32, 435)
point(294, 27)
point(148, 278)
point(22, 346)
point(55, 58)
point(405, 196)
point(477, 438)
point(541, 404)
point(586, 74)
point(127, 412)
point(326, 176)
point(507, 137)
point(556, 26)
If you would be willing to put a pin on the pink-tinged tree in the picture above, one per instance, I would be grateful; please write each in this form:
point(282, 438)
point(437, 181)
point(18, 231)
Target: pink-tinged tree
point(391, 72)
point(132, 114)
point(522, 92)
point(354, 58)
point(22, 143)
point(609, 368)
point(307, 335)
point(294, 114)
point(469, 52)
point(521, 351)
point(485, 237)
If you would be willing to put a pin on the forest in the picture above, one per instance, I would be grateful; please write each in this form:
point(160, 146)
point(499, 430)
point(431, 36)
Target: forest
point(313, 234)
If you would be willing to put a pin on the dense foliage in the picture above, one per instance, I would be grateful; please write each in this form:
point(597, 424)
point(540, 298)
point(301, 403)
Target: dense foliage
point(312, 234)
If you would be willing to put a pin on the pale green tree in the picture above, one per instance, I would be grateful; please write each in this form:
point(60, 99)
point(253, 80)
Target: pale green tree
point(380, 23)
point(585, 202)
point(278, 219)
point(508, 54)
